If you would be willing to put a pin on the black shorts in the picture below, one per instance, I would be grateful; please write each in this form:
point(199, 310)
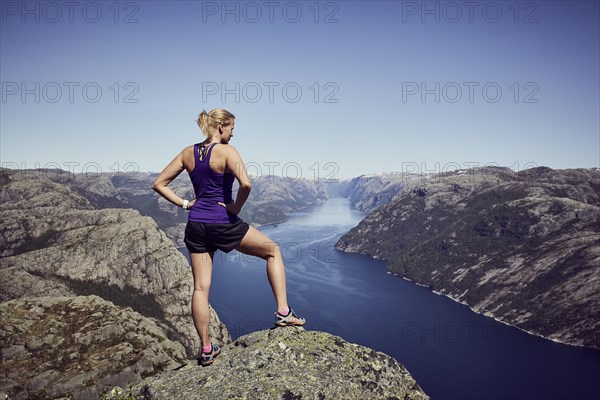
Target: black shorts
point(203, 237)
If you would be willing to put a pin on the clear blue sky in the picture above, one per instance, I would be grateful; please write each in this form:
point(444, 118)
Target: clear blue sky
point(385, 86)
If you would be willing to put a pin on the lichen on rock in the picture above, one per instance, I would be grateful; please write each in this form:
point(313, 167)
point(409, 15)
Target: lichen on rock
point(284, 363)
point(78, 346)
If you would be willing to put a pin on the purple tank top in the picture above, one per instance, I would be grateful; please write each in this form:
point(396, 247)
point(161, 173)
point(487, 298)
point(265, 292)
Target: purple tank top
point(210, 188)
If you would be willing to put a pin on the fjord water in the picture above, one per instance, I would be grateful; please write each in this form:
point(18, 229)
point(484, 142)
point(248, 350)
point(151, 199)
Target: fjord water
point(452, 352)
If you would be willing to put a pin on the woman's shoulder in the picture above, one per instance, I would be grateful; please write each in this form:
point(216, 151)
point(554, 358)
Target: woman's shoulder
point(225, 148)
point(188, 149)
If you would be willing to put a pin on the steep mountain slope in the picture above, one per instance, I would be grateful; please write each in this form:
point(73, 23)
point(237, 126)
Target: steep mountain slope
point(367, 192)
point(522, 247)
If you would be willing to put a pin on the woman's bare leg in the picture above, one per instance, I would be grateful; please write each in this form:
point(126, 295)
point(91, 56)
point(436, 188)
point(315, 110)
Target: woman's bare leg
point(202, 271)
point(258, 244)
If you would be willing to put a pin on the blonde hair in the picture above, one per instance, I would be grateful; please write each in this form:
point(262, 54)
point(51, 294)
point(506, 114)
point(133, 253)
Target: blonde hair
point(209, 121)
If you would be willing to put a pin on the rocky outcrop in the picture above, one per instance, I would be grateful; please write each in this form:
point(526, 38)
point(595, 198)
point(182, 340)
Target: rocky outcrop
point(78, 347)
point(284, 363)
point(521, 247)
point(56, 243)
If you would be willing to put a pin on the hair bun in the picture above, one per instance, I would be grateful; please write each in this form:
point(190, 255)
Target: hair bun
point(209, 121)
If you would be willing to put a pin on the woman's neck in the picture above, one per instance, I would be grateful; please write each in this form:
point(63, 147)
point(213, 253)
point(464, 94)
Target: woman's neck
point(210, 141)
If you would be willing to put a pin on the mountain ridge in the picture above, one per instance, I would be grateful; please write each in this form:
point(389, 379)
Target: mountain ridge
point(505, 243)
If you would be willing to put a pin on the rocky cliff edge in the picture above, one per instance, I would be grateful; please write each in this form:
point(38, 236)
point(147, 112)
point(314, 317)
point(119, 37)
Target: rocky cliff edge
point(284, 363)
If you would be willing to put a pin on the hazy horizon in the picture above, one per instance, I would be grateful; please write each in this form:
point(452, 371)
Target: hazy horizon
point(319, 89)
point(131, 173)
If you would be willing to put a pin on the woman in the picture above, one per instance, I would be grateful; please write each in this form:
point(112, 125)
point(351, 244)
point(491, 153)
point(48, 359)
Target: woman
point(213, 223)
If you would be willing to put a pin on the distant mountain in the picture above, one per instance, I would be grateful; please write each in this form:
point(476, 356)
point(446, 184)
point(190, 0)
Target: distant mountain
point(336, 187)
point(368, 192)
point(271, 200)
point(521, 247)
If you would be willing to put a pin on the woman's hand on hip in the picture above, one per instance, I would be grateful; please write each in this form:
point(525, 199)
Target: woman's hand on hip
point(230, 207)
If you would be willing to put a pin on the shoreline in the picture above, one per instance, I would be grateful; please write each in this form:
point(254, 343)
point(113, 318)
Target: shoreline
point(497, 319)
point(486, 313)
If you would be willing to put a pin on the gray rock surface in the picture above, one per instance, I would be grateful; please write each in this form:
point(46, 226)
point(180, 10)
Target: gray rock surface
point(521, 247)
point(284, 363)
point(367, 192)
point(78, 346)
point(55, 242)
point(136, 188)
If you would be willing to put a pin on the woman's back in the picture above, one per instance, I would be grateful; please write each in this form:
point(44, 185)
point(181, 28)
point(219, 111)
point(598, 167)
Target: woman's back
point(217, 162)
point(207, 168)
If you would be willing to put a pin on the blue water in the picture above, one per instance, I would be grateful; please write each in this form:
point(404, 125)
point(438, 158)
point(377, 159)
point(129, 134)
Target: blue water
point(452, 352)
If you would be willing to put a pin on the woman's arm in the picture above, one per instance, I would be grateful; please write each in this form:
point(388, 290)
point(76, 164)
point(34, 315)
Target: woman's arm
point(235, 164)
point(162, 181)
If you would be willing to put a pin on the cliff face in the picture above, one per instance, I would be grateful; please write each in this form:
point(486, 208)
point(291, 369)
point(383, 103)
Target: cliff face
point(336, 187)
point(56, 242)
point(284, 363)
point(78, 346)
point(522, 247)
point(368, 192)
point(136, 189)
